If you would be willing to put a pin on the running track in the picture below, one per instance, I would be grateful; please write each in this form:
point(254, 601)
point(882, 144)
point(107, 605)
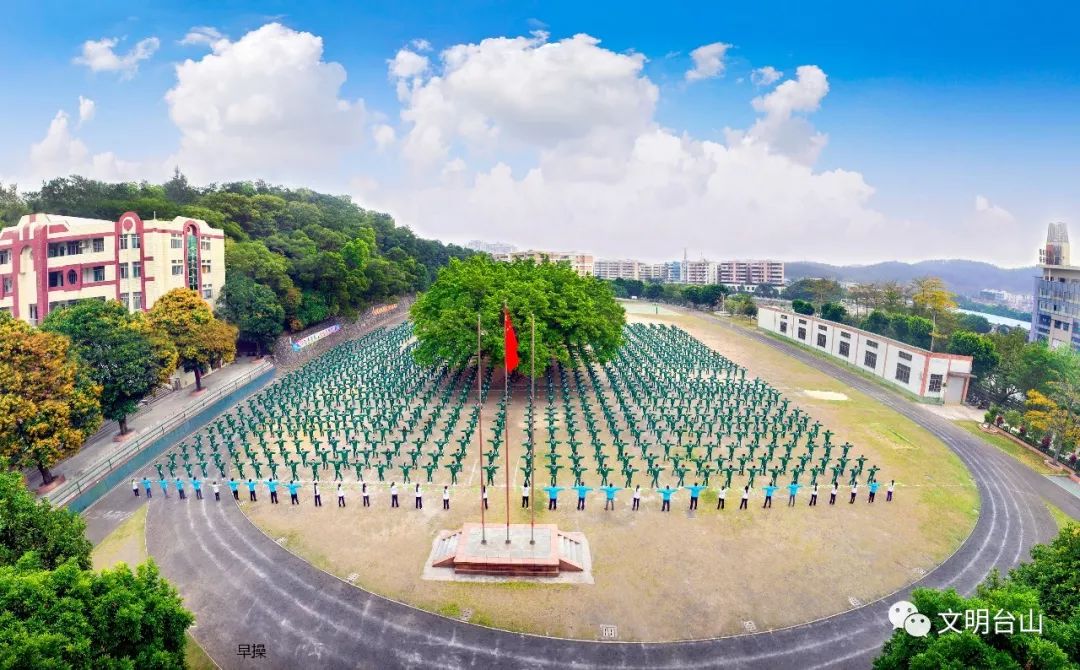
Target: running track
point(245, 589)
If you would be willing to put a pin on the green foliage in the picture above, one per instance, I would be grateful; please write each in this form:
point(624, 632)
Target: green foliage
point(742, 304)
point(568, 309)
point(55, 535)
point(1048, 584)
point(254, 309)
point(119, 351)
point(199, 338)
point(1027, 366)
point(800, 306)
point(832, 311)
point(71, 617)
point(973, 323)
point(816, 291)
point(980, 347)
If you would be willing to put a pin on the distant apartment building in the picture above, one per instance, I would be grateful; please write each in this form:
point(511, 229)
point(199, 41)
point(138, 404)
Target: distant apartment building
point(49, 261)
point(617, 269)
point(1055, 317)
point(700, 272)
point(751, 273)
point(582, 263)
point(490, 247)
point(924, 373)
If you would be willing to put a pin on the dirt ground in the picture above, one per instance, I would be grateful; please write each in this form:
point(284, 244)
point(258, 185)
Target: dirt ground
point(679, 575)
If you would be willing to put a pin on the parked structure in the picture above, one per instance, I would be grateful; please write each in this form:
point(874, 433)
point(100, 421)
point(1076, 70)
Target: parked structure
point(1055, 317)
point(924, 373)
point(48, 261)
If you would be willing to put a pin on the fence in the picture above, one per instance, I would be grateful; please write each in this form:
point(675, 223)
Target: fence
point(108, 472)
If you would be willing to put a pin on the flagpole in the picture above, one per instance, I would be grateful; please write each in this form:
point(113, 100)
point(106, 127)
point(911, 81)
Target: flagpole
point(506, 442)
point(532, 421)
point(480, 424)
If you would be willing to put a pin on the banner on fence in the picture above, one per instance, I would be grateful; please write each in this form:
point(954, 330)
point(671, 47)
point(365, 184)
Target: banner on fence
point(383, 309)
point(315, 337)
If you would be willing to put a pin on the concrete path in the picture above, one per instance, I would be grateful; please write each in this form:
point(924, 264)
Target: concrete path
point(246, 589)
point(102, 445)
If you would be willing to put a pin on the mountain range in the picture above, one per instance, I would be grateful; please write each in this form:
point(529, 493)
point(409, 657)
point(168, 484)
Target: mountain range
point(961, 276)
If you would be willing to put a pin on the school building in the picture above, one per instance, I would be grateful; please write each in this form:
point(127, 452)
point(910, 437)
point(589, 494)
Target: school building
point(924, 373)
point(49, 261)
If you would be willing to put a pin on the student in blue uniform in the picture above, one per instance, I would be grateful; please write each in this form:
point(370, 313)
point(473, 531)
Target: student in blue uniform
point(272, 485)
point(234, 486)
point(553, 496)
point(665, 496)
point(769, 489)
point(792, 490)
point(294, 492)
point(196, 484)
point(251, 490)
point(164, 484)
point(873, 490)
point(609, 496)
point(581, 491)
point(180, 488)
point(148, 487)
point(695, 490)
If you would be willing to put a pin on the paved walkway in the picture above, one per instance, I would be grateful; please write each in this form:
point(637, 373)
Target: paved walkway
point(102, 445)
point(246, 589)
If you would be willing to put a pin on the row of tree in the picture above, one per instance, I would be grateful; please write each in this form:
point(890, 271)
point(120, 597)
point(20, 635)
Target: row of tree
point(58, 613)
point(96, 360)
point(293, 257)
point(708, 296)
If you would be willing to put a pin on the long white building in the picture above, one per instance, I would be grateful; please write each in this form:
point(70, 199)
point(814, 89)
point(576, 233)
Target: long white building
point(924, 373)
point(582, 263)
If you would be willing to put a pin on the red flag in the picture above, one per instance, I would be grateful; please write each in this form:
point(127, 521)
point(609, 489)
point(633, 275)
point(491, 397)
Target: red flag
point(510, 342)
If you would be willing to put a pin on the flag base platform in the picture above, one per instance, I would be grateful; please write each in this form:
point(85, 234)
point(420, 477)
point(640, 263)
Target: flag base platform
point(553, 553)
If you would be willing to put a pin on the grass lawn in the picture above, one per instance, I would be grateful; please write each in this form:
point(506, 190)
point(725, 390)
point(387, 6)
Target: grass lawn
point(1020, 453)
point(680, 575)
point(127, 544)
point(1060, 517)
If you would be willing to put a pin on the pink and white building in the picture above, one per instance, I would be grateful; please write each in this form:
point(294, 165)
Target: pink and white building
point(48, 261)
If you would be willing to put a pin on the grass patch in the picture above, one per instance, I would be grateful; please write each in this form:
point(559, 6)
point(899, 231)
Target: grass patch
point(451, 610)
point(195, 657)
point(126, 544)
point(1060, 517)
point(1020, 453)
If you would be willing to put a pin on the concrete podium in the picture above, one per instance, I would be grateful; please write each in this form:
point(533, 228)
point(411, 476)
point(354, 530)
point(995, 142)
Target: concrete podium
point(554, 552)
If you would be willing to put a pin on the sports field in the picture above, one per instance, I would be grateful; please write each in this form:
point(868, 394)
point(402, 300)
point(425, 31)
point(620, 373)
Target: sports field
point(658, 576)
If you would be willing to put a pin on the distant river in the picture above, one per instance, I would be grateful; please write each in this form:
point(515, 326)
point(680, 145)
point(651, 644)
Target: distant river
point(999, 320)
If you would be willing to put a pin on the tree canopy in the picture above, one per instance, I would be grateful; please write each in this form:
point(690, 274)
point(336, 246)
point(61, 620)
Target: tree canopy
point(199, 338)
point(55, 535)
point(119, 350)
point(48, 402)
point(569, 311)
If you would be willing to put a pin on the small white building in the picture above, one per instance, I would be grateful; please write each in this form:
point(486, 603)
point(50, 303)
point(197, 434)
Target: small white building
point(924, 373)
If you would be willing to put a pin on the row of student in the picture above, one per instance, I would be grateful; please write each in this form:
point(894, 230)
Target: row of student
point(666, 493)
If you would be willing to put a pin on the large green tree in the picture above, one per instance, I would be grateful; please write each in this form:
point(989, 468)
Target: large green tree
point(569, 311)
point(253, 309)
point(200, 339)
point(120, 351)
point(55, 535)
point(981, 349)
point(48, 402)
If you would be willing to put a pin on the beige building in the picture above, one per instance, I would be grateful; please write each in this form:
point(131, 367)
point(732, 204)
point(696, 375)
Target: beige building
point(751, 273)
point(48, 261)
point(618, 269)
point(583, 264)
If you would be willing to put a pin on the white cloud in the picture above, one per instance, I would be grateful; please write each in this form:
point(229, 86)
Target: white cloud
point(765, 76)
point(525, 93)
point(781, 128)
point(421, 44)
point(383, 135)
point(265, 105)
point(708, 61)
point(207, 35)
point(86, 110)
point(987, 209)
point(99, 55)
point(60, 154)
point(407, 64)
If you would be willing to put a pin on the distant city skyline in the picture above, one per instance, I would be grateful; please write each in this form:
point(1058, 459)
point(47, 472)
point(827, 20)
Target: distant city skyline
point(880, 135)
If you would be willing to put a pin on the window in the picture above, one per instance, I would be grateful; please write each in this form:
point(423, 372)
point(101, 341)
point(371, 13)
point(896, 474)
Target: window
point(5, 256)
point(845, 349)
point(822, 328)
point(136, 300)
point(935, 384)
point(903, 373)
point(872, 344)
point(136, 269)
point(130, 241)
point(177, 267)
point(74, 248)
point(135, 241)
point(99, 273)
point(783, 326)
point(123, 270)
point(99, 244)
point(124, 300)
point(904, 355)
point(123, 241)
point(802, 322)
point(56, 279)
point(870, 360)
point(57, 249)
point(206, 266)
point(821, 340)
point(7, 285)
point(73, 278)
point(176, 241)
point(845, 335)
point(204, 243)
point(802, 333)
point(33, 314)
point(207, 291)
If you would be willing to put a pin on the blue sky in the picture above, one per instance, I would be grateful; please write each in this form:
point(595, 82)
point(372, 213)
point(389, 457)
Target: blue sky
point(921, 131)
